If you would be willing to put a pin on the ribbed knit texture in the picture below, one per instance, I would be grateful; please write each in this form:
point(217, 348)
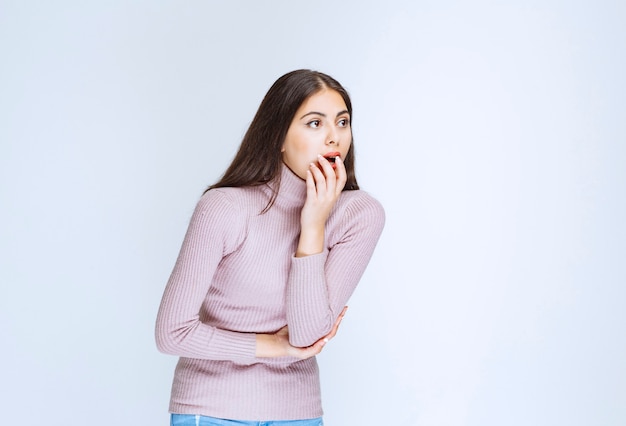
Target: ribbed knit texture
point(235, 276)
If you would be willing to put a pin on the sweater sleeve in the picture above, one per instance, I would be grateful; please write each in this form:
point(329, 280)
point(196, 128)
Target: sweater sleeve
point(320, 285)
point(216, 228)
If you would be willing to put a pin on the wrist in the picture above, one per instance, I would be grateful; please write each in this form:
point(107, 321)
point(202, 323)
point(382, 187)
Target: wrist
point(311, 241)
point(268, 346)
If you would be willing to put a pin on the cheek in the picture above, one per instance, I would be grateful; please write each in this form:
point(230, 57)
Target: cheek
point(347, 147)
point(301, 148)
point(297, 162)
point(296, 156)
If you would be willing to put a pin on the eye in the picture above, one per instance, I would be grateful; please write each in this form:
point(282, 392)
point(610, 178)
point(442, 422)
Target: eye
point(344, 122)
point(314, 123)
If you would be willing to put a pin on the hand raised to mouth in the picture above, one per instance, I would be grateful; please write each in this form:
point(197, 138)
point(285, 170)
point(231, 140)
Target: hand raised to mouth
point(332, 157)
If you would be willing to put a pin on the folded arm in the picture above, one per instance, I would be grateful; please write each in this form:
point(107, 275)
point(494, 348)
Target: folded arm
point(320, 284)
point(179, 330)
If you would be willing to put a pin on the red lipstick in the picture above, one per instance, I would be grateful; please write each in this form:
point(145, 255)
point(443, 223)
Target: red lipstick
point(331, 157)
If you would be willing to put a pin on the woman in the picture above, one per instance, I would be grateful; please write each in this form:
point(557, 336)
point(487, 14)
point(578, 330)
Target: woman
point(272, 254)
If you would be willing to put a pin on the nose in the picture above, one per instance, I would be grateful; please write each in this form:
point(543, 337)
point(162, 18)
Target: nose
point(332, 138)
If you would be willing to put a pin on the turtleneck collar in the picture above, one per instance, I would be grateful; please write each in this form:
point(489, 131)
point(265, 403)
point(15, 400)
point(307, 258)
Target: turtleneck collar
point(292, 191)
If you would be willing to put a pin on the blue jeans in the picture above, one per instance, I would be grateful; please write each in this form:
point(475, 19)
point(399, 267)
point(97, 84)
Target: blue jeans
point(193, 420)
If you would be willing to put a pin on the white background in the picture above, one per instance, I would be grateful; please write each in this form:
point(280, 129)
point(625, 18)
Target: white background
point(493, 133)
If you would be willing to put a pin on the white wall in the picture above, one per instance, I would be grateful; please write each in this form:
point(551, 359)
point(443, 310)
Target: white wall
point(494, 133)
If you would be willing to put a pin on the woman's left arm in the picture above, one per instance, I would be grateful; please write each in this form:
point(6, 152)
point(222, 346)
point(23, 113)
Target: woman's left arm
point(320, 284)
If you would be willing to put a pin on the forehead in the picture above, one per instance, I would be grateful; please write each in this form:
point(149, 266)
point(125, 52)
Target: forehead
point(325, 101)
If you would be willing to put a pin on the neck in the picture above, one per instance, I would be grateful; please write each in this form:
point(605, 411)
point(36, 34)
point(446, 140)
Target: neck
point(290, 188)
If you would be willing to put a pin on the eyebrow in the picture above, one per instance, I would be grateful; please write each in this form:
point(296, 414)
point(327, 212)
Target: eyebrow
point(345, 111)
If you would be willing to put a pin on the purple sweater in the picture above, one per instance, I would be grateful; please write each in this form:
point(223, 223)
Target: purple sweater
point(235, 276)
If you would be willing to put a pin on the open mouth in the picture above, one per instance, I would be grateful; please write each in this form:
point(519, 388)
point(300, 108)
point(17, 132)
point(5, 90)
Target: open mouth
point(332, 157)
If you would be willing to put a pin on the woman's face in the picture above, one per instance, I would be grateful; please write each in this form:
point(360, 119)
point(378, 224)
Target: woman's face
point(321, 126)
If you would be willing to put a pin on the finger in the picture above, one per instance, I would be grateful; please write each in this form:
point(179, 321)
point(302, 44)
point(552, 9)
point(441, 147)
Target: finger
point(325, 165)
point(333, 331)
point(311, 190)
point(311, 351)
point(343, 311)
point(329, 173)
point(341, 315)
point(319, 178)
point(342, 175)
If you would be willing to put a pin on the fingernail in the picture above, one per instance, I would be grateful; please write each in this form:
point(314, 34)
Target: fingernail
point(325, 339)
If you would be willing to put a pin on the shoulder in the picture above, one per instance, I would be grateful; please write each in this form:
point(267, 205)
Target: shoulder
point(216, 203)
point(221, 215)
point(358, 211)
point(234, 205)
point(231, 200)
point(361, 203)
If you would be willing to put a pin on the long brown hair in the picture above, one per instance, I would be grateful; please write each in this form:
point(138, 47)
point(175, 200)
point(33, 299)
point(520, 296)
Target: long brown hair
point(259, 158)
